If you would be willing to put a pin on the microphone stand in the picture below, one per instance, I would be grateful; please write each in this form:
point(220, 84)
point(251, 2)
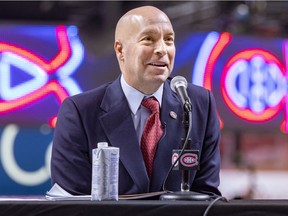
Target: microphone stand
point(185, 193)
point(185, 174)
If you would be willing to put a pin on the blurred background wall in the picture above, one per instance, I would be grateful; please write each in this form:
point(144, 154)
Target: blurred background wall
point(237, 49)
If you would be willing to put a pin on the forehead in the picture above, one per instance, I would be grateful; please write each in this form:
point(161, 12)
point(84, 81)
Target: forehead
point(153, 25)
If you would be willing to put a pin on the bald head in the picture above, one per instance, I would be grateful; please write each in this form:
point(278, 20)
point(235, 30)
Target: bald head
point(144, 46)
point(135, 19)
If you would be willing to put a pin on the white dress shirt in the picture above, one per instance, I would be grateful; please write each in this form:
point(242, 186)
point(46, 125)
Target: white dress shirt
point(138, 112)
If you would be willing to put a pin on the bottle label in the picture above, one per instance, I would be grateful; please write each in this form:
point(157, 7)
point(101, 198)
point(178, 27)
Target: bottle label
point(105, 173)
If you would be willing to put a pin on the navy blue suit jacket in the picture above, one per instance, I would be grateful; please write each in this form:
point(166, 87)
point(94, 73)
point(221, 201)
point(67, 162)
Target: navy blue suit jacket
point(103, 114)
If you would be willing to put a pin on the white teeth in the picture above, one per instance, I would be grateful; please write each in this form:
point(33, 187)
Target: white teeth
point(158, 65)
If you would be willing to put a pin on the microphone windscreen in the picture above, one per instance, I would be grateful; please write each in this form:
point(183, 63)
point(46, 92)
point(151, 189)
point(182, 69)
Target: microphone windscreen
point(178, 81)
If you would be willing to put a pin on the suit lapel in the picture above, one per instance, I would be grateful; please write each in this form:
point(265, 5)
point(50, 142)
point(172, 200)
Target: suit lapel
point(119, 128)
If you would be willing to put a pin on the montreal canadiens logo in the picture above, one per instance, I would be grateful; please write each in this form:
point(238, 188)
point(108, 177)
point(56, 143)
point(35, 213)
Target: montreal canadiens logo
point(189, 160)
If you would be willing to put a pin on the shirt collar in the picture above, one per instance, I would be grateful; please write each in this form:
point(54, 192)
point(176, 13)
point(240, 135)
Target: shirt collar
point(135, 97)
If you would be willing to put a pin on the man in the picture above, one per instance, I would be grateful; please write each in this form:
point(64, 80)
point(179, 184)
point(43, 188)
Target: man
point(144, 46)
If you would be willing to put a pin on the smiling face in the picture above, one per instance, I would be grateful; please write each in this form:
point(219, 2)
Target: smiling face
point(144, 45)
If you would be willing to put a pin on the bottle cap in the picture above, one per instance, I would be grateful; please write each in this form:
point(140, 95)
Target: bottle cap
point(102, 145)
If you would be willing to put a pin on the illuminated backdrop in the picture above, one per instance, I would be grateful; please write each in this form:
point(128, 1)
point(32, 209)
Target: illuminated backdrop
point(42, 65)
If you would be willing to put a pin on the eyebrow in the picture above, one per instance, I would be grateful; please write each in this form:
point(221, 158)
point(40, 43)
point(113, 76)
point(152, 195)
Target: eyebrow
point(154, 32)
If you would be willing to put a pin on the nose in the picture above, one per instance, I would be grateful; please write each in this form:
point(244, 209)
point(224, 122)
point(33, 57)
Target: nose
point(160, 48)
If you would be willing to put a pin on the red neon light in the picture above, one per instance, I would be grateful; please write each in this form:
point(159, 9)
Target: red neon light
point(52, 122)
point(51, 87)
point(61, 57)
point(223, 41)
point(49, 66)
point(284, 124)
point(64, 50)
point(246, 113)
point(249, 53)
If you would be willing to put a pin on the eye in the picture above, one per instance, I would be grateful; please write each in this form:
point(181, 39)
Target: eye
point(170, 39)
point(148, 38)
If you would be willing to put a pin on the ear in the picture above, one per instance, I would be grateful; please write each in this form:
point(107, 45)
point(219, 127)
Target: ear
point(119, 50)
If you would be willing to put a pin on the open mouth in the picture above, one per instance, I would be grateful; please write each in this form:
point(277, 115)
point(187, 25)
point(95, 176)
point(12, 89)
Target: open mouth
point(158, 64)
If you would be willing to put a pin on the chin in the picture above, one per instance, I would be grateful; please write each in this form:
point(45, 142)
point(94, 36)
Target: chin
point(158, 78)
point(163, 77)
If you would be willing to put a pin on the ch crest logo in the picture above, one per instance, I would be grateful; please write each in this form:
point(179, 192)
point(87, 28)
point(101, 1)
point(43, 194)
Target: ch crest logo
point(253, 83)
point(189, 160)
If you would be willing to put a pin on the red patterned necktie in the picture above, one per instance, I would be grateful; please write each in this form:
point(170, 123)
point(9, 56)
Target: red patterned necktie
point(152, 132)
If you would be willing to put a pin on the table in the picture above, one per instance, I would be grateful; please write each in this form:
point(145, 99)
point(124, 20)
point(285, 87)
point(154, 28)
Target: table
point(29, 207)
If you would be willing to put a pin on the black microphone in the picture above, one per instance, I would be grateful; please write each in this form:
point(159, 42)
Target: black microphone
point(179, 85)
point(187, 157)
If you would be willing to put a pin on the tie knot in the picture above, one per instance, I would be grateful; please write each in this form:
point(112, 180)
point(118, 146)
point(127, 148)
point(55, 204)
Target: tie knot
point(151, 103)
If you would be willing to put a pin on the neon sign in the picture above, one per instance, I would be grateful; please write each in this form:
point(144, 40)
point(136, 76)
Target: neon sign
point(47, 77)
point(253, 82)
point(253, 85)
point(205, 62)
point(11, 165)
point(41, 65)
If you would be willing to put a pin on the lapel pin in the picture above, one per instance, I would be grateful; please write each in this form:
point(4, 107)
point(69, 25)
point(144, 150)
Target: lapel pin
point(173, 115)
